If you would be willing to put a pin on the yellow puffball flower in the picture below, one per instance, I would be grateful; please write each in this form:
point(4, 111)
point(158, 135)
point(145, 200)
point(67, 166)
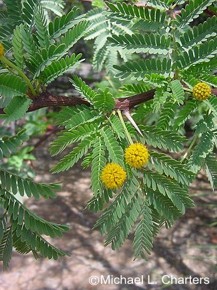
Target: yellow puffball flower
point(201, 91)
point(136, 155)
point(2, 50)
point(113, 176)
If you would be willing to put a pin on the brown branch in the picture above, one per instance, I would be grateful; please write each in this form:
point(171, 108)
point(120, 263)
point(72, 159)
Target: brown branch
point(130, 102)
point(214, 91)
point(47, 100)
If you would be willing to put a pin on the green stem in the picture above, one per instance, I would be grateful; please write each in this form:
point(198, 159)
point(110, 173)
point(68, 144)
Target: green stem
point(20, 73)
point(124, 126)
point(187, 153)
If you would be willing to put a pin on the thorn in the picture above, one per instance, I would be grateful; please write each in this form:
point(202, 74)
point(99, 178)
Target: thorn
point(129, 117)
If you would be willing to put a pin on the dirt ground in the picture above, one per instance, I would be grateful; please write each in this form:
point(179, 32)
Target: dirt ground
point(189, 249)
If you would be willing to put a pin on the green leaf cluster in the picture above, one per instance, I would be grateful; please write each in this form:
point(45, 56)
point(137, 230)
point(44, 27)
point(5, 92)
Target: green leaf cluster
point(166, 48)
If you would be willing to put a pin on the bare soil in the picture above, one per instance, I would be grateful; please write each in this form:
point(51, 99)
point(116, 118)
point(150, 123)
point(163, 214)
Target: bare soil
point(189, 249)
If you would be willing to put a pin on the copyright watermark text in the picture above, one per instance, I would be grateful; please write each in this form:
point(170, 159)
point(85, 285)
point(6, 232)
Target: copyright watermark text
point(117, 280)
point(141, 280)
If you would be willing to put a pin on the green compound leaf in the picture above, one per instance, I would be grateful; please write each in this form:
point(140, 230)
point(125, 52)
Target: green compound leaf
point(68, 137)
point(197, 54)
point(199, 33)
point(71, 37)
point(132, 11)
point(170, 167)
point(113, 147)
point(170, 188)
point(162, 139)
point(151, 43)
point(24, 186)
point(120, 231)
point(56, 6)
point(17, 108)
point(178, 91)
point(59, 67)
point(14, 11)
point(201, 150)
point(138, 69)
point(27, 219)
point(185, 113)
point(10, 145)
point(6, 247)
point(11, 85)
point(162, 5)
point(104, 101)
point(38, 244)
point(212, 104)
point(117, 208)
point(41, 27)
point(77, 153)
point(83, 89)
point(167, 114)
point(143, 239)
point(211, 170)
point(98, 162)
point(163, 205)
point(117, 126)
point(18, 47)
point(70, 118)
point(28, 41)
point(62, 24)
point(192, 11)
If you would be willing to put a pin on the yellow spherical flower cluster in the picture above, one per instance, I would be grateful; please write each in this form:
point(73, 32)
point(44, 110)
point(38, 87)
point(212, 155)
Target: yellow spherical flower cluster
point(201, 91)
point(136, 155)
point(2, 50)
point(113, 176)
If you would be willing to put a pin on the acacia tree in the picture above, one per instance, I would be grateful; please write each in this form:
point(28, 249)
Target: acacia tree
point(159, 63)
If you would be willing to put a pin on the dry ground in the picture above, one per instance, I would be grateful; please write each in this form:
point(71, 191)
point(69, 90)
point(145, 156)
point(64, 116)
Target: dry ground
point(188, 249)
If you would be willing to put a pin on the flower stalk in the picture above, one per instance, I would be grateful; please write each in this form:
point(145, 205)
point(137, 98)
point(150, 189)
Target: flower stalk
point(124, 126)
point(7, 62)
